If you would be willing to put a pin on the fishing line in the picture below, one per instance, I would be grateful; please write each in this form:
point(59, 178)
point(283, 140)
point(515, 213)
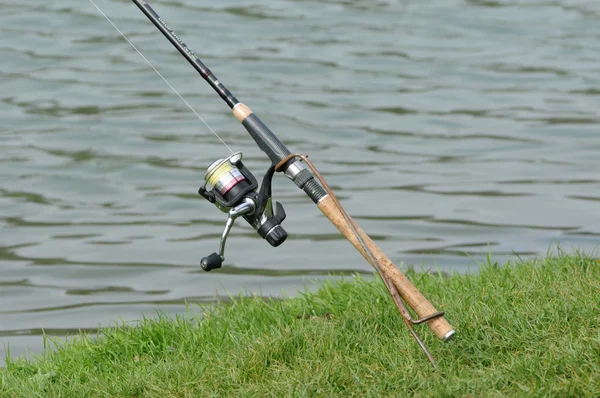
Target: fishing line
point(160, 74)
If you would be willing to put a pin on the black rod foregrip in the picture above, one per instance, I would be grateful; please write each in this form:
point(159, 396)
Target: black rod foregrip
point(210, 78)
point(265, 139)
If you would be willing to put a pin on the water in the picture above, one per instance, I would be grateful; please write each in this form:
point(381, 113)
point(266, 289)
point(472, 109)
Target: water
point(450, 130)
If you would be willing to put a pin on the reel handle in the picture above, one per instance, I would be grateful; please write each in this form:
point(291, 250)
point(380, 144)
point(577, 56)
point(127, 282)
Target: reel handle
point(211, 262)
point(215, 260)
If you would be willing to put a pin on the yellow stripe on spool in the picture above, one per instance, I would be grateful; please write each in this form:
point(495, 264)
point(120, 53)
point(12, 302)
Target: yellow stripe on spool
point(219, 172)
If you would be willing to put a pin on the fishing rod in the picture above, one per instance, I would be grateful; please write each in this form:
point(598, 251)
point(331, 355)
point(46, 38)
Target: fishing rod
point(232, 188)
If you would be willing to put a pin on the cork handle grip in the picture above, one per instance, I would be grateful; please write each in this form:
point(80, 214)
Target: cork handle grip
point(410, 294)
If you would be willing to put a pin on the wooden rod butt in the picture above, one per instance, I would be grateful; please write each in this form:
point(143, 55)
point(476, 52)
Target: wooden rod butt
point(409, 293)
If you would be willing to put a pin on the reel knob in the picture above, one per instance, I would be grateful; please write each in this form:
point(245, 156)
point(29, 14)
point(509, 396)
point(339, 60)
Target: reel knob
point(211, 262)
point(276, 236)
point(271, 230)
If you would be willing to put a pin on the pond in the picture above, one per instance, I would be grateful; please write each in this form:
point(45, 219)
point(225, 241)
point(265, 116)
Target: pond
point(451, 130)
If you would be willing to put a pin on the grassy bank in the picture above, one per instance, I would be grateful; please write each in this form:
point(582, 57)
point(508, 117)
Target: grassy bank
point(528, 328)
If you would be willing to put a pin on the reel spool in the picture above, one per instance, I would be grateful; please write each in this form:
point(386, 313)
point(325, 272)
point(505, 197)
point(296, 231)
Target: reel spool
point(230, 181)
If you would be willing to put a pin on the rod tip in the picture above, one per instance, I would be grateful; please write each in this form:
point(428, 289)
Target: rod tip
point(449, 335)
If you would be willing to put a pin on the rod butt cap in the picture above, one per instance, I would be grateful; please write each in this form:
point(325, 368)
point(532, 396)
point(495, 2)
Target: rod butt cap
point(449, 335)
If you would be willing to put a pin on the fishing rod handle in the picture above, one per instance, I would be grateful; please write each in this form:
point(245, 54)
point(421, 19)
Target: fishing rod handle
point(278, 152)
point(409, 292)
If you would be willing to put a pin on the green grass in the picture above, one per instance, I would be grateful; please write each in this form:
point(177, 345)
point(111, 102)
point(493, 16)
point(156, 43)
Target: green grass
point(523, 329)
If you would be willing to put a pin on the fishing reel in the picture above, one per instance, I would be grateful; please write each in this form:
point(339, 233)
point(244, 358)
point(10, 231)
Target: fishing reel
point(234, 192)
